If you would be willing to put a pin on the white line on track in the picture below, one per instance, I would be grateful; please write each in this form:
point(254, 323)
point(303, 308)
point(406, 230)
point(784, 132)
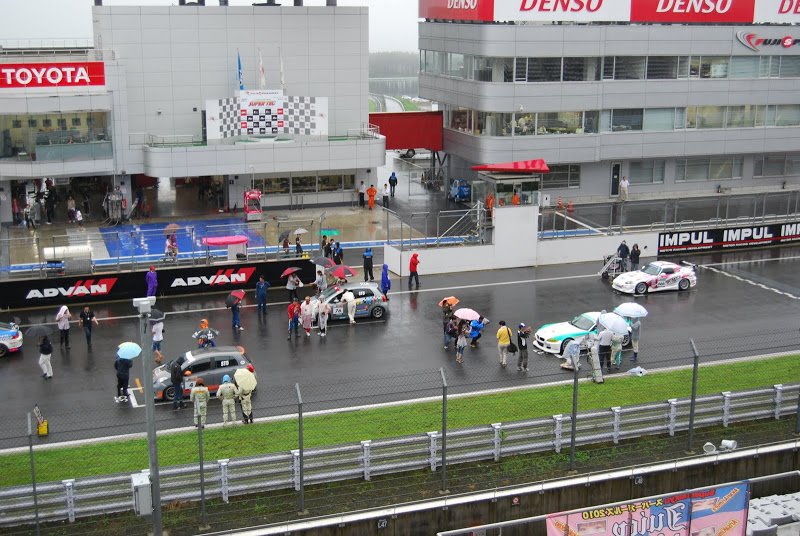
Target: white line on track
point(760, 285)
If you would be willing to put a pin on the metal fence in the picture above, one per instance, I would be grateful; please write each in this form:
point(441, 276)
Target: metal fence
point(470, 424)
point(445, 228)
point(618, 217)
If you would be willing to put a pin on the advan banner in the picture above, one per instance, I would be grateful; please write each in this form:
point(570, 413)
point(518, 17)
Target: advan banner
point(719, 511)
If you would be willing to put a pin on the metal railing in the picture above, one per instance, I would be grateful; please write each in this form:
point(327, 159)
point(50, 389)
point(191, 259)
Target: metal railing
point(73, 498)
point(461, 227)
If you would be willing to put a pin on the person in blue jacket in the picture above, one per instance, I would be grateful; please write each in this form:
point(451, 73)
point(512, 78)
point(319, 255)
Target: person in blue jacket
point(368, 265)
point(386, 283)
point(261, 294)
point(235, 317)
point(475, 330)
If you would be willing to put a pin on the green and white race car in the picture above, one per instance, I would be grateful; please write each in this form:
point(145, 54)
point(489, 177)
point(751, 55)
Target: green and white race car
point(554, 338)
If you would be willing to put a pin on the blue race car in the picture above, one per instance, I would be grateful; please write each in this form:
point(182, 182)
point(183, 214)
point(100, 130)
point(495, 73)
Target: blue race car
point(10, 338)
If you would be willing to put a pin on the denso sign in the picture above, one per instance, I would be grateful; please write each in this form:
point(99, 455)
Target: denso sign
point(32, 75)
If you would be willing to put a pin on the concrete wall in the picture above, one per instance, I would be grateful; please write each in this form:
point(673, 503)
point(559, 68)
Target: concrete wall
point(592, 248)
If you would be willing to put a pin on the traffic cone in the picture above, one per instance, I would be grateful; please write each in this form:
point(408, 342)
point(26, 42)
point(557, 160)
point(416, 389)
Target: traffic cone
point(560, 205)
point(227, 210)
point(569, 209)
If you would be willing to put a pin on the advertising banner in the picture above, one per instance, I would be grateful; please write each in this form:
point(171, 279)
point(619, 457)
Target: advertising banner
point(715, 512)
point(727, 239)
point(261, 111)
point(648, 11)
point(77, 290)
point(35, 75)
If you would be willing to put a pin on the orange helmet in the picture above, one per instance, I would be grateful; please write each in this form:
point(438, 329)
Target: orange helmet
point(203, 323)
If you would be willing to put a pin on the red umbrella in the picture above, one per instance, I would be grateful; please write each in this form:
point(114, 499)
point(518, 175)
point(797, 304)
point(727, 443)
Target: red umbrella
point(234, 297)
point(341, 271)
point(290, 270)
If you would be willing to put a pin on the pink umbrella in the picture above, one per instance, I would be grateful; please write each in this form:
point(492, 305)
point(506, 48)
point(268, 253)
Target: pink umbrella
point(467, 314)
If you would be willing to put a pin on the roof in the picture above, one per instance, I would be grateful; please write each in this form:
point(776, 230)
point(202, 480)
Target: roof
point(529, 166)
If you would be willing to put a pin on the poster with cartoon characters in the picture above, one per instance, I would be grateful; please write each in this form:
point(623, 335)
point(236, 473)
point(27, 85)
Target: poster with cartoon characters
point(719, 511)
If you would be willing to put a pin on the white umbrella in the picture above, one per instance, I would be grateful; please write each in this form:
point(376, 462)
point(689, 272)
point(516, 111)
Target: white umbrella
point(300, 231)
point(631, 310)
point(614, 323)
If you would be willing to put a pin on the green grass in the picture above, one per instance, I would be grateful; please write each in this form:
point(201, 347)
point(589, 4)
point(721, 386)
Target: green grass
point(347, 427)
point(372, 106)
point(409, 105)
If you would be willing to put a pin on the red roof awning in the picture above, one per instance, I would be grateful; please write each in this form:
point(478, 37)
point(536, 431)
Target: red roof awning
point(531, 166)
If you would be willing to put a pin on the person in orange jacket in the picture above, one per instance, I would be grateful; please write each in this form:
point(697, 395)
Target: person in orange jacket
point(372, 192)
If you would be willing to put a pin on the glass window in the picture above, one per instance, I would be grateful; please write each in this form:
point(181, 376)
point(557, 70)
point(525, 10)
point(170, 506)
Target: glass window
point(544, 69)
point(304, 184)
point(793, 164)
point(591, 121)
point(741, 116)
point(493, 69)
point(763, 66)
point(710, 116)
point(559, 123)
point(525, 124)
point(199, 366)
point(349, 181)
point(721, 167)
point(581, 69)
point(276, 185)
point(787, 115)
point(758, 166)
point(662, 67)
point(330, 183)
point(714, 67)
point(493, 124)
point(564, 176)
point(738, 167)
point(697, 169)
point(76, 133)
point(608, 68)
point(521, 70)
point(705, 168)
point(455, 65)
point(680, 118)
point(629, 68)
point(774, 166)
point(761, 115)
point(683, 66)
point(461, 119)
point(627, 119)
point(775, 67)
point(659, 118)
point(646, 172)
point(605, 120)
point(744, 67)
point(790, 66)
point(770, 119)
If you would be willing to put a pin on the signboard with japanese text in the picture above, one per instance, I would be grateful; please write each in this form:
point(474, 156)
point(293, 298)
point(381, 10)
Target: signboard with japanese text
point(719, 511)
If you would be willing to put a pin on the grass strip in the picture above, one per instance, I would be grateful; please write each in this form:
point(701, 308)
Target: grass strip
point(353, 426)
point(409, 105)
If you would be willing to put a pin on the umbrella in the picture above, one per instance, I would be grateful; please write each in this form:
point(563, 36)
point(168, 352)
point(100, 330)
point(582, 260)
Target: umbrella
point(467, 314)
point(328, 232)
point(128, 350)
point(245, 379)
point(38, 331)
point(300, 231)
point(172, 228)
point(156, 315)
point(452, 300)
point(234, 297)
point(631, 309)
point(342, 271)
point(324, 261)
point(284, 234)
point(290, 270)
point(614, 323)
point(205, 333)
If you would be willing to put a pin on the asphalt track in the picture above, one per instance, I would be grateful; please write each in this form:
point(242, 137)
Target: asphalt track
point(745, 304)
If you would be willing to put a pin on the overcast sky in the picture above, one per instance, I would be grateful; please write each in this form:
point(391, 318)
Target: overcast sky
point(392, 23)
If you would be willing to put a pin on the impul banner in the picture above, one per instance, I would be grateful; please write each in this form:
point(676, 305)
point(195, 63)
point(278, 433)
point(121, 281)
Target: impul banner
point(720, 511)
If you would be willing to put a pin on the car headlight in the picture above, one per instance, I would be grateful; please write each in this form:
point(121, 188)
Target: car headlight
point(552, 339)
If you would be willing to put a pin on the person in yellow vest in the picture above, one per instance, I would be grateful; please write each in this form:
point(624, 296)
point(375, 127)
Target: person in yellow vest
point(247, 406)
point(372, 192)
point(228, 392)
point(199, 397)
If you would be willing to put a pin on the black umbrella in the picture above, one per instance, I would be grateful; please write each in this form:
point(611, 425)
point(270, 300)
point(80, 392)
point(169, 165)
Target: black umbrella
point(205, 333)
point(38, 331)
point(283, 236)
point(324, 261)
point(156, 315)
point(234, 297)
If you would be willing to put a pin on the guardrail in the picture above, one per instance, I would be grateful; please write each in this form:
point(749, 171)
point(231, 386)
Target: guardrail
point(70, 499)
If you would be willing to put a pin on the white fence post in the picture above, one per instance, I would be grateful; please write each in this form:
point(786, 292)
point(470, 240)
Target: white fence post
point(778, 400)
point(69, 491)
point(673, 415)
point(726, 408)
point(557, 431)
point(365, 458)
point(296, 469)
point(432, 448)
point(223, 478)
point(616, 412)
point(498, 428)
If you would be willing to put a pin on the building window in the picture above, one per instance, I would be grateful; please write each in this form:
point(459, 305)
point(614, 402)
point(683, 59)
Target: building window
point(709, 67)
point(705, 117)
point(559, 123)
point(659, 119)
point(493, 69)
point(646, 172)
point(568, 176)
point(544, 69)
point(708, 168)
point(787, 115)
point(581, 69)
point(330, 183)
point(304, 184)
point(461, 119)
point(455, 65)
point(741, 116)
point(276, 185)
point(629, 67)
point(744, 67)
point(627, 119)
point(493, 124)
point(524, 124)
point(779, 165)
point(662, 67)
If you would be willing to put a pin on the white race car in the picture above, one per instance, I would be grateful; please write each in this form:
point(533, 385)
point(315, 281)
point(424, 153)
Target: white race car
point(554, 338)
point(658, 275)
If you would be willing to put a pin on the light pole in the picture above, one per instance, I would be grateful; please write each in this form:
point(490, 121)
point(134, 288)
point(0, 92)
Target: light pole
point(144, 306)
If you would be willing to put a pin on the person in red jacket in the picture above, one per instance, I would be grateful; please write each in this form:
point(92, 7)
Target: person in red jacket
point(294, 318)
point(372, 192)
point(412, 270)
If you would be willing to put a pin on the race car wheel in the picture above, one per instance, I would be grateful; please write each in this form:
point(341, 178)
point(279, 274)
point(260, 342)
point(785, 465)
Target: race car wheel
point(169, 393)
point(377, 312)
point(641, 288)
point(564, 346)
point(626, 340)
point(3, 351)
point(684, 284)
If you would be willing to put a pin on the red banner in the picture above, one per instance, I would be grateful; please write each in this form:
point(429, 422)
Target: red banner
point(699, 11)
point(457, 9)
point(30, 75)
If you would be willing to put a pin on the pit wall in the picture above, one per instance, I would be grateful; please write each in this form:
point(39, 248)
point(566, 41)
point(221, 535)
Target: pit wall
point(516, 245)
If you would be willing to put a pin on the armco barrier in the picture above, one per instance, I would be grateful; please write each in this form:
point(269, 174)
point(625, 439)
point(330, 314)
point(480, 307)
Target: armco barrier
point(85, 497)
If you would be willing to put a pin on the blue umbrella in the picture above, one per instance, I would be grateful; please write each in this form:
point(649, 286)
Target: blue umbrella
point(128, 350)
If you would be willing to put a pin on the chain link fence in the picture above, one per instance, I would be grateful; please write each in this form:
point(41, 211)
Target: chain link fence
point(332, 445)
